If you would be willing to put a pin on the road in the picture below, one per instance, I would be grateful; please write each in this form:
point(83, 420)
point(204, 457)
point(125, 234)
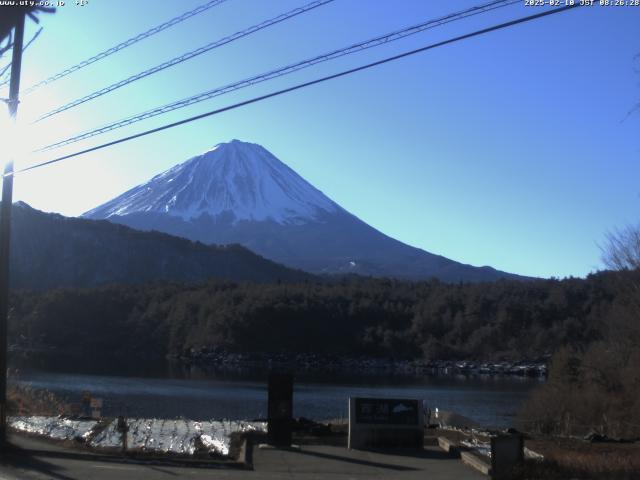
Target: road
point(40, 460)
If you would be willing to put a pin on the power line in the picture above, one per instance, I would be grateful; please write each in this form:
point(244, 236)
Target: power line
point(186, 56)
point(374, 42)
point(125, 44)
point(304, 85)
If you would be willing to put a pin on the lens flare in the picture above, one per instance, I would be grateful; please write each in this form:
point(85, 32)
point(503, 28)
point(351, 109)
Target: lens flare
point(15, 143)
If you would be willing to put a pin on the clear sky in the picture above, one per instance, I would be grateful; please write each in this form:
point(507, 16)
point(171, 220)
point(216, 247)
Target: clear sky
point(513, 149)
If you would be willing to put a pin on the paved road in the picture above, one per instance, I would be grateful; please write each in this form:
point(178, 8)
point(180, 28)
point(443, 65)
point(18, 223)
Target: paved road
point(327, 462)
point(307, 462)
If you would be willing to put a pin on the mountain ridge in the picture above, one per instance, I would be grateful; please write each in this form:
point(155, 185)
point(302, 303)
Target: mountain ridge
point(53, 251)
point(238, 192)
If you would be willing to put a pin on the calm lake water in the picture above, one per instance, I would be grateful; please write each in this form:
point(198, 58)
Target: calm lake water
point(171, 390)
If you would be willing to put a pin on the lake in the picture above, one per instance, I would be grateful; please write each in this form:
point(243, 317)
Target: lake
point(170, 390)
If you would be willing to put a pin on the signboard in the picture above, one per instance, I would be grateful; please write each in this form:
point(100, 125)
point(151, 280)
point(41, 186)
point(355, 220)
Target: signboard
point(385, 422)
point(383, 411)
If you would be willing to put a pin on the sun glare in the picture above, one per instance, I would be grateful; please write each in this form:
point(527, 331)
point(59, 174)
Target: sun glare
point(15, 144)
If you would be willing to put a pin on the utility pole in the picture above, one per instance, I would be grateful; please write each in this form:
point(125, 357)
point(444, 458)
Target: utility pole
point(5, 222)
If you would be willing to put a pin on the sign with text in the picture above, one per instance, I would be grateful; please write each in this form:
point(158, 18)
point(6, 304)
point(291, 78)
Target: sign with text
point(386, 411)
point(385, 422)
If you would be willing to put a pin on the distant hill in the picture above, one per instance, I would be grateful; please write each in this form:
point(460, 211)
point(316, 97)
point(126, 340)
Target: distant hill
point(50, 250)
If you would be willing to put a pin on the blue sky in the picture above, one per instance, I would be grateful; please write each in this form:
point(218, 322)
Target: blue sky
point(513, 149)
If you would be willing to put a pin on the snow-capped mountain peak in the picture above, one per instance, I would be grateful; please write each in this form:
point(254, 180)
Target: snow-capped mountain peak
point(240, 193)
point(238, 178)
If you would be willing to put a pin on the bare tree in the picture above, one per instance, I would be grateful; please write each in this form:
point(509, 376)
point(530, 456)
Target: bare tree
point(622, 249)
point(636, 59)
point(622, 253)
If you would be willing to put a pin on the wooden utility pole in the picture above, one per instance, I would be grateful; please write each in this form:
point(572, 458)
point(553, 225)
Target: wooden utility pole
point(5, 221)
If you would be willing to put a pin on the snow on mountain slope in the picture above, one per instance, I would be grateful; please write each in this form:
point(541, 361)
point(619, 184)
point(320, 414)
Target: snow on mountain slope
point(240, 193)
point(241, 178)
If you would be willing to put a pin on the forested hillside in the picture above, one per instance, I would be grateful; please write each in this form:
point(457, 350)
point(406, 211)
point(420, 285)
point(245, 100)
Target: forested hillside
point(432, 320)
point(49, 250)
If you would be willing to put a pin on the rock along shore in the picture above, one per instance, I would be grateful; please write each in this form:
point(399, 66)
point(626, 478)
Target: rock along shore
point(311, 362)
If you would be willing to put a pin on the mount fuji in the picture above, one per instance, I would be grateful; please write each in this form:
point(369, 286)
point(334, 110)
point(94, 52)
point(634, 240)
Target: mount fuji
point(239, 192)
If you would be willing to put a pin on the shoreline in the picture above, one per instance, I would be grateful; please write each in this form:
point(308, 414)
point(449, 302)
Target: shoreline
point(227, 361)
point(309, 362)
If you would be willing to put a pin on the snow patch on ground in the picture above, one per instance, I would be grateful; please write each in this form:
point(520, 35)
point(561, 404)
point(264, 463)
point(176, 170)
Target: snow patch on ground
point(57, 428)
point(156, 435)
point(482, 448)
point(175, 436)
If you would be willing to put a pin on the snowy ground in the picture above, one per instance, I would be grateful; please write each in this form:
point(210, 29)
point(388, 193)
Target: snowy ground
point(482, 448)
point(54, 427)
point(145, 434)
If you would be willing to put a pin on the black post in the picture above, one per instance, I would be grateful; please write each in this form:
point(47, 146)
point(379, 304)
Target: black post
point(280, 409)
point(5, 223)
point(123, 428)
